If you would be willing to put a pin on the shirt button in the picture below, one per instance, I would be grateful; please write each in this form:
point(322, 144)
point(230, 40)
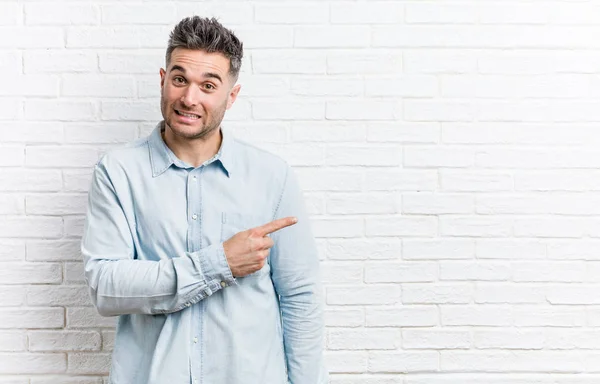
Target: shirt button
point(223, 284)
point(195, 339)
point(194, 216)
point(194, 177)
point(187, 304)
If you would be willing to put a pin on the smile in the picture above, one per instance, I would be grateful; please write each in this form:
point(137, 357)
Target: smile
point(189, 115)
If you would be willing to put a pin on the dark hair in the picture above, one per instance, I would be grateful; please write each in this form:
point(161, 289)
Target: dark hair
point(208, 35)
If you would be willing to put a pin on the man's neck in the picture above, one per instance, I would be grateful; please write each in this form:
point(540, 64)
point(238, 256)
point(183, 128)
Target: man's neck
point(193, 151)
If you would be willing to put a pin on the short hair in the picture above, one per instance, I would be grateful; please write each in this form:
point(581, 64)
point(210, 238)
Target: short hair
point(208, 35)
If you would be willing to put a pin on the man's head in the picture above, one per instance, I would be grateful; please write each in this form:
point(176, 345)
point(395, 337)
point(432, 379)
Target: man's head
point(203, 62)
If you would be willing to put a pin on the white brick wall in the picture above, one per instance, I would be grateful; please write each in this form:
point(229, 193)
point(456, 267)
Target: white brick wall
point(448, 150)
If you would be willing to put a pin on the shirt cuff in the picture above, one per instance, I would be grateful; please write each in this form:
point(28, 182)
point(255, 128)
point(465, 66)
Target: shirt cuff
point(215, 268)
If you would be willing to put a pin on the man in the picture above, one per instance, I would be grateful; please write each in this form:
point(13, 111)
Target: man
point(176, 243)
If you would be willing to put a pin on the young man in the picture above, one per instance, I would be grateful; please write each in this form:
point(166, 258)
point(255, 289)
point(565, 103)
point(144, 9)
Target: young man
point(176, 244)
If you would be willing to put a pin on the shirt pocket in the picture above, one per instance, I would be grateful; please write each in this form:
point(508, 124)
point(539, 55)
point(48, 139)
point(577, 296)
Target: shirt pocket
point(234, 222)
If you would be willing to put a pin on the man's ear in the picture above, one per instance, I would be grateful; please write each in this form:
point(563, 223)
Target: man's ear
point(162, 77)
point(233, 95)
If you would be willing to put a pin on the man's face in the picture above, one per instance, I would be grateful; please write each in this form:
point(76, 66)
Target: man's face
point(196, 90)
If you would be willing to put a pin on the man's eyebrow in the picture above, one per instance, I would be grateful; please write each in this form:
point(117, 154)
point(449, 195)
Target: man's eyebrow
point(212, 75)
point(177, 68)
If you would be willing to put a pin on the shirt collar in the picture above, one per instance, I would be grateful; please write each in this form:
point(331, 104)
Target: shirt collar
point(161, 156)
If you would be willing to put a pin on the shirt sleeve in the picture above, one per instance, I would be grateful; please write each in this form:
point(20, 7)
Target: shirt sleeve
point(296, 278)
point(121, 284)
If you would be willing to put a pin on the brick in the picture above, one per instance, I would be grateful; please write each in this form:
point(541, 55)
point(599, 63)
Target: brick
point(61, 14)
point(363, 249)
point(437, 203)
point(146, 62)
point(128, 14)
point(35, 363)
point(31, 273)
point(10, 61)
point(31, 227)
point(496, 293)
point(288, 62)
point(438, 249)
point(441, 13)
point(401, 226)
point(425, 133)
point(480, 315)
point(66, 380)
point(53, 250)
point(10, 108)
point(74, 273)
point(508, 339)
point(363, 295)
point(130, 111)
point(265, 36)
point(104, 37)
point(548, 316)
point(404, 272)
point(405, 86)
point(307, 13)
point(228, 13)
point(11, 250)
point(89, 363)
point(320, 179)
point(73, 226)
point(64, 341)
point(354, 203)
point(438, 110)
point(346, 361)
point(373, 155)
point(549, 271)
point(61, 156)
point(341, 273)
point(283, 110)
point(516, 361)
point(56, 204)
point(382, 179)
point(31, 37)
point(510, 249)
point(327, 86)
point(11, 341)
point(263, 85)
point(30, 85)
point(64, 295)
point(475, 181)
point(404, 316)
point(111, 133)
point(59, 61)
point(88, 317)
point(331, 36)
point(435, 339)
point(97, 85)
point(440, 61)
point(363, 109)
point(10, 14)
point(557, 180)
point(32, 132)
point(12, 296)
point(363, 62)
point(344, 317)
point(337, 227)
point(11, 156)
point(423, 293)
point(404, 362)
point(59, 110)
point(362, 339)
point(32, 318)
point(447, 157)
point(475, 226)
point(480, 270)
point(108, 340)
point(11, 204)
point(373, 12)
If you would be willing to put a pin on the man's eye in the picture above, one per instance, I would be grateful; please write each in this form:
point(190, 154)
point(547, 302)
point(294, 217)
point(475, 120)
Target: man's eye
point(179, 80)
point(209, 86)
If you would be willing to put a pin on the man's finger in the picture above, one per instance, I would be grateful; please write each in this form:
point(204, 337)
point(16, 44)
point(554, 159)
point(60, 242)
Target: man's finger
point(275, 225)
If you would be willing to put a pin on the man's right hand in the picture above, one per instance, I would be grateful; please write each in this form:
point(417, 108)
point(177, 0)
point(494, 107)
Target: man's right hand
point(247, 251)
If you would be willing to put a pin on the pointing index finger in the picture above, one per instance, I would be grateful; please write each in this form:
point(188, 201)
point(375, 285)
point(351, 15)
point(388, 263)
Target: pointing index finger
point(276, 225)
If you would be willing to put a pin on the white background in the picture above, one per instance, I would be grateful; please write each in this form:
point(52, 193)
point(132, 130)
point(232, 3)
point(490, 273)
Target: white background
point(448, 152)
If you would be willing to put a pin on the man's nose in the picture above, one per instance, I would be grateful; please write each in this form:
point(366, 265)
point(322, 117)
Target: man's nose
point(191, 96)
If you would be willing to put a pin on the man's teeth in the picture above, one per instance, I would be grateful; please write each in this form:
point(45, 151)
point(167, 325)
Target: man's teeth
point(188, 115)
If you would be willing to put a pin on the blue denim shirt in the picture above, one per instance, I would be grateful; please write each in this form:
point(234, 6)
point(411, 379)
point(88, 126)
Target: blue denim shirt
point(153, 255)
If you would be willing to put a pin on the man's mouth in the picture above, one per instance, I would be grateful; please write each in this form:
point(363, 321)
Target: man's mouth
point(188, 115)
